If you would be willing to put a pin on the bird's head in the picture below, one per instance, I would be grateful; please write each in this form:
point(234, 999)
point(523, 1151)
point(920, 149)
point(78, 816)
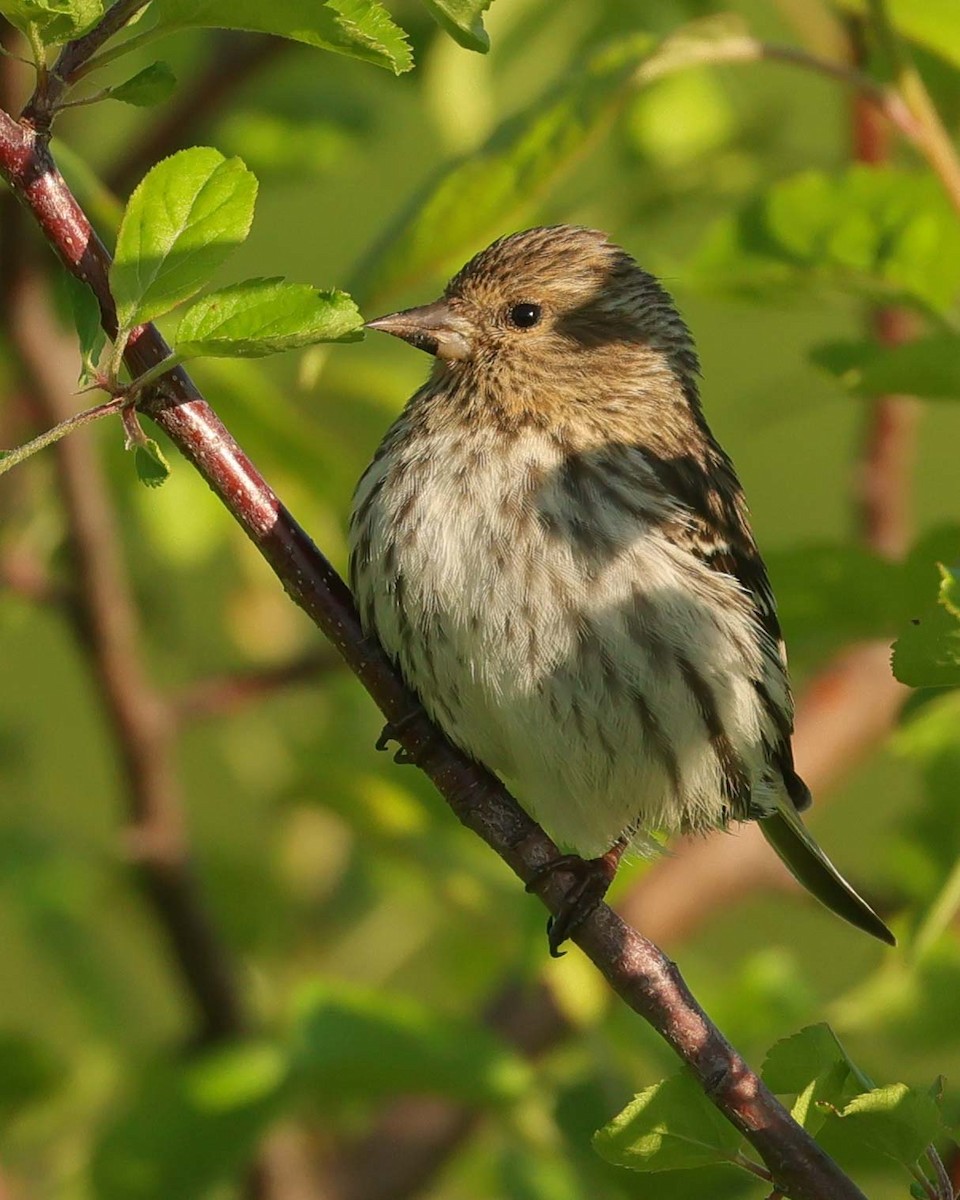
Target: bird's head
point(546, 316)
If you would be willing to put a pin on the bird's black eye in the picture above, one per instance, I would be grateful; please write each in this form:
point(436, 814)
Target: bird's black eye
point(524, 315)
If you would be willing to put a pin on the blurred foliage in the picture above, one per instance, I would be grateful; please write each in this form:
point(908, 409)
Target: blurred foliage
point(369, 930)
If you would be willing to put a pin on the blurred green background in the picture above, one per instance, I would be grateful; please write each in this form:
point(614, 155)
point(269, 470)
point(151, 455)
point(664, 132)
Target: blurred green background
point(355, 911)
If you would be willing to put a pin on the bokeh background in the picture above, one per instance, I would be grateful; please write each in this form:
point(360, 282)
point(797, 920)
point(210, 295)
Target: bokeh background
point(407, 1035)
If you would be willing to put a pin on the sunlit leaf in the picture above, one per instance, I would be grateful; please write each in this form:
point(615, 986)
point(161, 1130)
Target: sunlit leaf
point(55, 20)
point(189, 213)
point(895, 1121)
point(152, 85)
point(265, 316)
point(934, 24)
point(927, 653)
point(358, 28)
point(463, 20)
point(670, 1126)
point(794, 1061)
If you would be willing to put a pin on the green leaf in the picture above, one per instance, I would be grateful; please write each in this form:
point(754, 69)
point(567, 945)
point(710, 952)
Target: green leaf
point(895, 1121)
point(463, 20)
point(189, 1128)
point(934, 24)
point(31, 1073)
point(189, 213)
point(927, 653)
point(929, 367)
point(152, 85)
point(881, 232)
point(480, 196)
point(366, 1044)
point(793, 1062)
point(265, 316)
point(55, 20)
point(358, 28)
point(670, 1126)
point(153, 470)
point(86, 317)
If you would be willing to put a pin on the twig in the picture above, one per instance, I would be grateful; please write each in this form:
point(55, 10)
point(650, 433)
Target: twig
point(224, 694)
point(69, 66)
point(640, 973)
point(10, 458)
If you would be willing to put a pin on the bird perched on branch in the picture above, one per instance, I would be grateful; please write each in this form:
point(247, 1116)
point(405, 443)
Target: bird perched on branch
point(556, 552)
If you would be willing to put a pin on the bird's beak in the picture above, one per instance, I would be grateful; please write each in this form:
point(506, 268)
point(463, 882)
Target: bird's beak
point(435, 328)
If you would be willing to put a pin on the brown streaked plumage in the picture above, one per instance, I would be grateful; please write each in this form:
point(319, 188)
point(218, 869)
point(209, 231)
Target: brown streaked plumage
point(557, 554)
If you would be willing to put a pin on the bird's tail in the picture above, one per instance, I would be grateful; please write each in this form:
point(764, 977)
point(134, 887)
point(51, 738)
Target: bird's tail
point(808, 864)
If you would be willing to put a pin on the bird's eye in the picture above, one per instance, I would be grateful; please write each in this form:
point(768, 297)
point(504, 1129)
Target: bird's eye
point(525, 315)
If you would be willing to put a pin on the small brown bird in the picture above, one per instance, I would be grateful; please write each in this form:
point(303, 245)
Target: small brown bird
point(555, 551)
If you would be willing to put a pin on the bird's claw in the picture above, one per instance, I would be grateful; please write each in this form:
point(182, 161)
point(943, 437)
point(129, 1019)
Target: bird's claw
point(593, 879)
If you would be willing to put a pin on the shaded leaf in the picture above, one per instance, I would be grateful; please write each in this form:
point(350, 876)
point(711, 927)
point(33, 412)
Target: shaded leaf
point(31, 1072)
point(355, 1042)
point(358, 28)
point(894, 1120)
point(670, 1126)
point(463, 20)
point(55, 20)
point(929, 367)
point(927, 653)
point(883, 232)
point(479, 196)
point(793, 1062)
point(152, 466)
point(188, 1128)
point(86, 317)
point(189, 213)
point(152, 85)
point(265, 316)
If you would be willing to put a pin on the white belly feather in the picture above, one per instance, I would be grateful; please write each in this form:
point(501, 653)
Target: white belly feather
point(556, 662)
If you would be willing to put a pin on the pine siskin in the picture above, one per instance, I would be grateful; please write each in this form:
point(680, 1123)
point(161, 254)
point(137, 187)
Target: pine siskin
point(556, 552)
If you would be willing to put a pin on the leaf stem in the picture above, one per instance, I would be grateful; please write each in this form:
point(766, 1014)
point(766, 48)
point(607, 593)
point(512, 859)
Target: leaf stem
point(747, 1164)
point(170, 363)
point(108, 56)
point(939, 915)
point(10, 458)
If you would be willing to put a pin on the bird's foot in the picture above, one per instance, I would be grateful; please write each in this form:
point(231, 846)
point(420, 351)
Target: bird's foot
point(593, 879)
point(392, 732)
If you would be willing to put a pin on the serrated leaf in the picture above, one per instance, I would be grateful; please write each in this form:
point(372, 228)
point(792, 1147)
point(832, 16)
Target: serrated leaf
point(152, 85)
point(928, 367)
point(794, 1061)
point(894, 1120)
point(361, 1043)
point(265, 316)
point(190, 1127)
point(358, 28)
point(463, 20)
point(670, 1126)
point(86, 317)
point(881, 232)
point(833, 1087)
point(55, 20)
point(185, 218)
point(478, 197)
point(152, 466)
point(927, 653)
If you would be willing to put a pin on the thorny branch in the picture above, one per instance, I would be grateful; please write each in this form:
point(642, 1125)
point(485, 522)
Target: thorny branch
point(640, 973)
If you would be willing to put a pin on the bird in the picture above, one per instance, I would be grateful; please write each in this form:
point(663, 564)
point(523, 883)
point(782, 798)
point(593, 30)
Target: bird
point(556, 554)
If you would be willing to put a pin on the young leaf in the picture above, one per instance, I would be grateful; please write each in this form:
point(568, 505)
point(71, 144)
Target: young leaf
point(893, 1120)
point(358, 28)
point(463, 20)
point(354, 1043)
point(152, 85)
point(55, 20)
point(265, 316)
point(794, 1061)
point(670, 1126)
point(929, 367)
point(86, 317)
point(479, 196)
point(188, 214)
point(153, 470)
point(927, 653)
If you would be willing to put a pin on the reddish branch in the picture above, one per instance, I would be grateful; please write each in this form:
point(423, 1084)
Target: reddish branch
point(640, 973)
